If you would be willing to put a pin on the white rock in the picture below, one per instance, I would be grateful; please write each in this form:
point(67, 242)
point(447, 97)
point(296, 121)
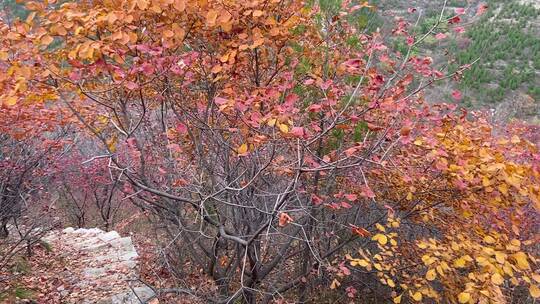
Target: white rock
point(142, 293)
point(104, 265)
point(109, 236)
point(68, 230)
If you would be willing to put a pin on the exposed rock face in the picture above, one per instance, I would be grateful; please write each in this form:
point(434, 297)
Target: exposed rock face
point(101, 267)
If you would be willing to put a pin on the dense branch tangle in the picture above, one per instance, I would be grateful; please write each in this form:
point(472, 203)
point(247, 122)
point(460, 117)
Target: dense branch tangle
point(265, 144)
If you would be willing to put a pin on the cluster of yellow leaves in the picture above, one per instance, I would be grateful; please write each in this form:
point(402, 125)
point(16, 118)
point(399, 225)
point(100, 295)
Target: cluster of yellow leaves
point(474, 270)
point(471, 270)
point(386, 242)
point(470, 159)
point(476, 193)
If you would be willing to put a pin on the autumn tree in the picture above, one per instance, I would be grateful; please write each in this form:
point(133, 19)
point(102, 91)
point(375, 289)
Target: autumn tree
point(280, 147)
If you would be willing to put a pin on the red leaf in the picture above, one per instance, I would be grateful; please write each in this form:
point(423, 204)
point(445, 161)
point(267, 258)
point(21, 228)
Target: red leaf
point(482, 8)
point(315, 108)
point(351, 197)
point(410, 40)
point(454, 20)
point(367, 192)
point(459, 29)
point(181, 128)
point(220, 101)
point(349, 152)
point(316, 200)
point(460, 10)
point(309, 81)
point(345, 270)
point(440, 36)
point(297, 131)
point(130, 85)
point(353, 63)
point(456, 95)
point(131, 142)
point(291, 99)
point(346, 205)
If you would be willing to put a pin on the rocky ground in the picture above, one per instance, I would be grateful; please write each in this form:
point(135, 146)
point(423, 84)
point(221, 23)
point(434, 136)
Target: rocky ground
point(83, 266)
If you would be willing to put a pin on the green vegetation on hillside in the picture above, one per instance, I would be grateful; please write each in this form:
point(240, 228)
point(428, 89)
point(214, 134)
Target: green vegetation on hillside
point(509, 50)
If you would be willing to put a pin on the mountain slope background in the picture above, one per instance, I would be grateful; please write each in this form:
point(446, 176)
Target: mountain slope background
point(502, 38)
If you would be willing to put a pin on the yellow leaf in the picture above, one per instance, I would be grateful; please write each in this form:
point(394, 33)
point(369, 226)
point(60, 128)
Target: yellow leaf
point(363, 263)
point(417, 296)
point(508, 269)
point(381, 238)
point(503, 188)
point(257, 13)
point(481, 260)
point(497, 279)
point(428, 260)
point(535, 291)
point(111, 144)
point(500, 257)
point(459, 263)
point(440, 271)
point(409, 196)
point(242, 149)
point(397, 299)
point(271, 122)
point(485, 181)
point(464, 297)
point(335, 284)
point(431, 275)
point(284, 128)
point(521, 260)
point(11, 101)
point(489, 239)
point(391, 283)
point(380, 227)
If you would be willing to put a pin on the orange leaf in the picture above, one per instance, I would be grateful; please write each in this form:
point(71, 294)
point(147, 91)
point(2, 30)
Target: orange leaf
point(284, 219)
point(211, 17)
point(360, 231)
point(179, 5)
point(216, 69)
point(142, 4)
point(46, 40)
point(168, 33)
